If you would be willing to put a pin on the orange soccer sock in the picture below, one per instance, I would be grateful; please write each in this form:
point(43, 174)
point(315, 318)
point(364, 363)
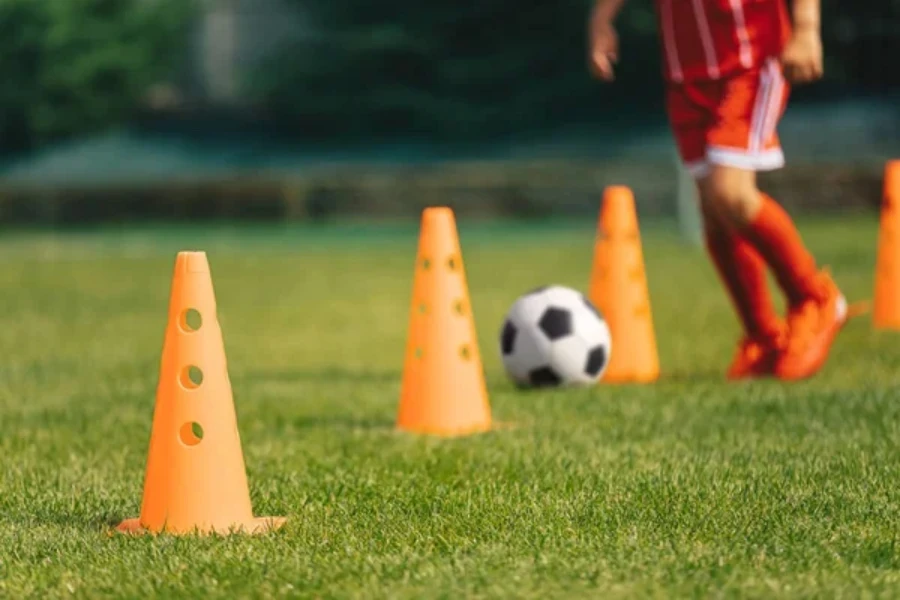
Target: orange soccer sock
point(743, 272)
point(774, 235)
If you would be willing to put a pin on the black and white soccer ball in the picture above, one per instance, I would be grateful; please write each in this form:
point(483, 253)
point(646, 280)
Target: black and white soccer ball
point(554, 336)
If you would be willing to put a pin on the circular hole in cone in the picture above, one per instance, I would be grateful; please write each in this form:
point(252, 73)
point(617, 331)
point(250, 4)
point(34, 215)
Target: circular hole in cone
point(419, 353)
point(190, 434)
point(191, 377)
point(459, 307)
point(422, 308)
point(426, 264)
point(451, 263)
point(190, 320)
point(465, 353)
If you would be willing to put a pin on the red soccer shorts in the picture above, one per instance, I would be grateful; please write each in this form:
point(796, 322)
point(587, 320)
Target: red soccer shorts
point(730, 122)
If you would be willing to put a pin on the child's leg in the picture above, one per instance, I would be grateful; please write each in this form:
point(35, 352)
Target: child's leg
point(743, 272)
point(739, 266)
point(765, 225)
point(818, 310)
point(741, 141)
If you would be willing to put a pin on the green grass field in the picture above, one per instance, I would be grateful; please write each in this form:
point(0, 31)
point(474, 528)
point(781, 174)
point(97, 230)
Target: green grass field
point(688, 487)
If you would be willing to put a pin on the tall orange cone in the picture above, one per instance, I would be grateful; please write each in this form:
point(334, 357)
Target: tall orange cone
point(443, 389)
point(195, 479)
point(618, 287)
point(886, 310)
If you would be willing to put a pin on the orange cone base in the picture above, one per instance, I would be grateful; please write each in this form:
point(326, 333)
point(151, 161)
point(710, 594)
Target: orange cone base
point(459, 432)
point(630, 378)
point(255, 526)
point(444, 432)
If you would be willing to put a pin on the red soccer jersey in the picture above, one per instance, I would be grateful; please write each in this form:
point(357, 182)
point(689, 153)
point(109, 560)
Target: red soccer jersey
point(711, 39)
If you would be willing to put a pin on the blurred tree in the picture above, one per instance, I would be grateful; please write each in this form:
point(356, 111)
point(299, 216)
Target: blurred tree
point(438, 70)
point(443, 70)
point(70, 66)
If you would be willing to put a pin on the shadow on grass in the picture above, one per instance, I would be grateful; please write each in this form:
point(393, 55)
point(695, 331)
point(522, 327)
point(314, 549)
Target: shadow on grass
point(675, 377)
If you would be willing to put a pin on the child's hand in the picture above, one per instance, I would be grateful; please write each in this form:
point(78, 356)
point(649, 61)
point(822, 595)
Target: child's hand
point(802, 57)
point(604, 50)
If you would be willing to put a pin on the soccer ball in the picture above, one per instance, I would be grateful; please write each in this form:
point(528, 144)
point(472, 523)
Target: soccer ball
point(552, 337)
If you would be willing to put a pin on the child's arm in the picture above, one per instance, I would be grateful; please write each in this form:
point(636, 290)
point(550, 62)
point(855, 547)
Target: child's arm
point(607, 9)
point(802, 57)
point(807, 15)
point(604, 44)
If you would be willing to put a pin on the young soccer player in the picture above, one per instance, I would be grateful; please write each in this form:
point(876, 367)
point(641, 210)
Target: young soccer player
point(725, 63)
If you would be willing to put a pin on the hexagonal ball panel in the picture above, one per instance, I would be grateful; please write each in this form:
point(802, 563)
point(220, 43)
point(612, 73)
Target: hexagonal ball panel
point(596, 360)
point(544, 377)
point(508, 338)
point(556, 323)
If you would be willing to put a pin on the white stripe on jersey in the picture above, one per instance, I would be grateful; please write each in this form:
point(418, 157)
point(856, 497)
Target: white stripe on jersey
point(709, 50)
point(668, 35)
point(746, 52)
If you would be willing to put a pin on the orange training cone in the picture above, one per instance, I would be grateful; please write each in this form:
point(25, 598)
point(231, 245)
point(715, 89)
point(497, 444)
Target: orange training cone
point(886, 313)
point(195, 479)
point(443, 389)
point(618, 287)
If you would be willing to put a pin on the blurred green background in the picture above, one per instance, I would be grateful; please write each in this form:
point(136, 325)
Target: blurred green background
point(288, 109)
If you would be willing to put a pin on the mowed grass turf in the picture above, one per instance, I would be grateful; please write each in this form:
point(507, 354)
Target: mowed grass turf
point(690, 486)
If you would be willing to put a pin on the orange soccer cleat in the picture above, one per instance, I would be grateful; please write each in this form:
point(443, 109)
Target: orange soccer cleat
point(756, 356)
point(812, 328)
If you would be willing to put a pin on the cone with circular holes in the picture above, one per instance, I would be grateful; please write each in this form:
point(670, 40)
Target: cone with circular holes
point(195, 480)
point(618, 287)
point(443, 390)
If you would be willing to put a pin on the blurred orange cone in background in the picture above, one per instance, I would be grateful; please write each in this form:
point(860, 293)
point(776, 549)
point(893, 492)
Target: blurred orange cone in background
point(195, 479)
point(886, 310)
point(618, 287)
point(443, 388)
